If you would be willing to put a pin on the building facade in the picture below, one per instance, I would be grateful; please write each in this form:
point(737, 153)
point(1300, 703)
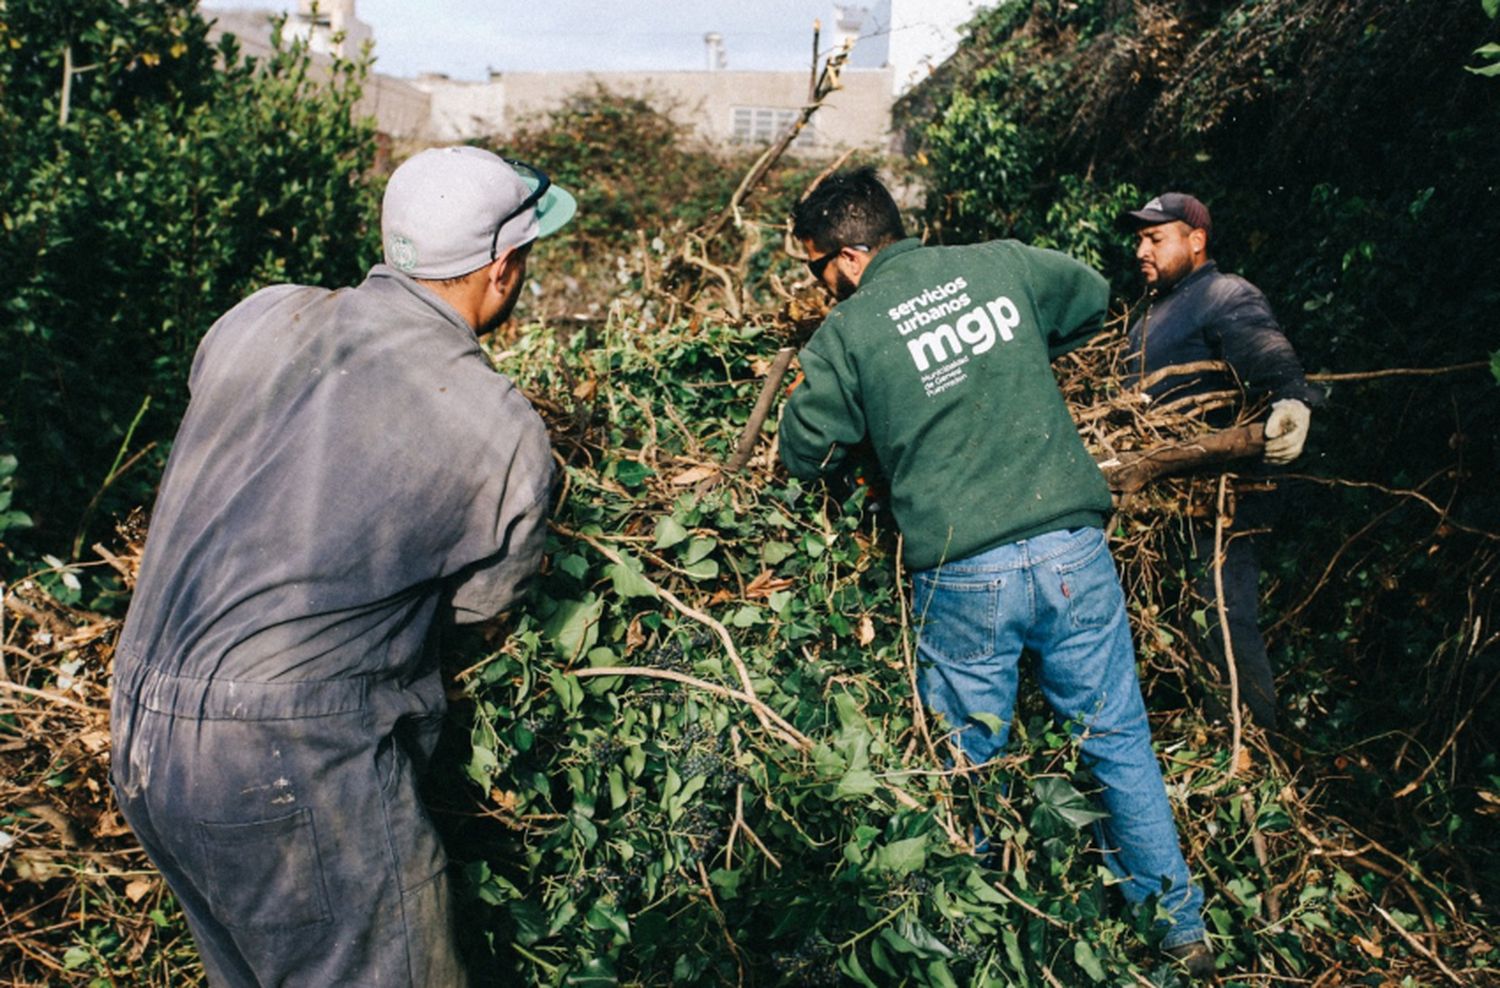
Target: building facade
point(895, 42)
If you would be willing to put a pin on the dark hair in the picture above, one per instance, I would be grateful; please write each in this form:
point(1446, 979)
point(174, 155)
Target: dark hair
point(848, 208)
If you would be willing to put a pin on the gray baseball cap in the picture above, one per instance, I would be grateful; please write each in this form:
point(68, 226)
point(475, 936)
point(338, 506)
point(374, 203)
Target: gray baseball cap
point(451, 210)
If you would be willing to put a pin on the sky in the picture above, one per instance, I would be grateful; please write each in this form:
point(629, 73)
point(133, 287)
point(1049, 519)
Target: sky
point(464, 39)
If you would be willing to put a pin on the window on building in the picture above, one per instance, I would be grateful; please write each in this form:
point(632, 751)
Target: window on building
point(764, 124)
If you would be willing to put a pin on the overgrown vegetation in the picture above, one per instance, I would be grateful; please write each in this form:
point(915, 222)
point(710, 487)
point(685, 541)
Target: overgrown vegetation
point(695, 756)
point(158, 194)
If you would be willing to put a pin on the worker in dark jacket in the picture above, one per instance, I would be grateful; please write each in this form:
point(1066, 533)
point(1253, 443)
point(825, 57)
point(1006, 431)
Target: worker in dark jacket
point(1196, 313)
point(350, 471)
point(940, 358)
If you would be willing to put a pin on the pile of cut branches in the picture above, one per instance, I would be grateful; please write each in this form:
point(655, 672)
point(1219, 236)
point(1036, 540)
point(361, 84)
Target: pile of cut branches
point(696, 755)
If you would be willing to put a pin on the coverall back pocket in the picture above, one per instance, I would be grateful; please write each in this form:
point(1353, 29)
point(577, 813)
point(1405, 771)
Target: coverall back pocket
point(265, 874)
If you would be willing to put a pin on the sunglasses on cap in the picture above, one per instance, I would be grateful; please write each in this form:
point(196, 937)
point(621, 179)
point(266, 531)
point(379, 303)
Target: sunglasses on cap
point(817, 264)
point(543, 183)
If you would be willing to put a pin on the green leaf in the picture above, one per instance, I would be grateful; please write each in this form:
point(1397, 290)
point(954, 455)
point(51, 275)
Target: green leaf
point(569, 692)
point(1083, 956)
point(630, 473)
point(939, 975)
point(727, 881)
point(747, 616)
point(1061, 810)
point(703, 569)
point(618, 794)
point(574, 626)
point(15, 519)
point(627, 578)
point(482, 766)
point(75, 958)
point(574, 565)
point(1013, 951)
point(924, 941)
point(992, 723)
point(901, 857)
point(8, 464)
point(849, 964)
point(774, 552)
point(530, 920)
point(1491, 8)
point(605, 916)
point(597, 973)
point(856, 784)
point(669, 532)
point(698, 548)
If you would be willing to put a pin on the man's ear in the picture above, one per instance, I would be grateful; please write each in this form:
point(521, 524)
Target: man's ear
point(509, 265)
point(1198, 237)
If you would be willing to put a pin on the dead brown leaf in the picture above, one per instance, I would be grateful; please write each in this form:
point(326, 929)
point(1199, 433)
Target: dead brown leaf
point(693, 475)
point(765, 584)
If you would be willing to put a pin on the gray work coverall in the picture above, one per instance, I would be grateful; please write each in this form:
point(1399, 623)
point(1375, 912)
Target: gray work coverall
point(350, 469)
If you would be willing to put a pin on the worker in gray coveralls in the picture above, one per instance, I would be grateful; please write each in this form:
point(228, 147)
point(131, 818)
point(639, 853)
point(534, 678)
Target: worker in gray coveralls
point(351, 470)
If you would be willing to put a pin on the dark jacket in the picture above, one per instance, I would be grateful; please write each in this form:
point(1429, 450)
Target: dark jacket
point(1210, 315)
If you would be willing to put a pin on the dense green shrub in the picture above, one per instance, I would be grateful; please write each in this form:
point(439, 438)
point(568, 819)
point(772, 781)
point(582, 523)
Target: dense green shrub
point(172, 190)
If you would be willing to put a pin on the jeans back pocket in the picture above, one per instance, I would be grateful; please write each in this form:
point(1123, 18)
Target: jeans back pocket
point(956, 618)
point(1089, 584)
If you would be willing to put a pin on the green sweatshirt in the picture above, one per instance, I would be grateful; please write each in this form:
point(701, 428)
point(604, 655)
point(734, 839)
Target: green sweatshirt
point(941, 359)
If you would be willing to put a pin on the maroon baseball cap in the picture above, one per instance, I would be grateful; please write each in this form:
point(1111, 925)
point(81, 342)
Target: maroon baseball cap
point(1170, 206)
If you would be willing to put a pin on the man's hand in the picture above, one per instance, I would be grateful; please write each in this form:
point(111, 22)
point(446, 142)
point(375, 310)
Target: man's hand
point(1286, 430)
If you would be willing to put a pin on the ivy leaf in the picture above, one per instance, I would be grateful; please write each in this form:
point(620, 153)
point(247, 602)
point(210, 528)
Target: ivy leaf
point(530, 920)
point(604, 916)
point(774, 552)
point(574, 565)
point(746, 617)
point(669, 532)
point(627, 579)
point(596, 973)
point(856, 784)
point(924, 940)
point(1083, 956)
point(630, 473)
point(698, 548)
point(1061, 810)
point(901, 857)
point(574, 627)
point(991, 723)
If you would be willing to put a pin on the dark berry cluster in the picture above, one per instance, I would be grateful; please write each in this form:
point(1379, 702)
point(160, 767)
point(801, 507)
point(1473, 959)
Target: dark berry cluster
point(813, 964)
point(677, 653)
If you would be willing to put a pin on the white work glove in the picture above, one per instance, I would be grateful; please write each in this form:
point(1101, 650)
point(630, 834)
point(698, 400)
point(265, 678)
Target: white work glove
point(1286, 430)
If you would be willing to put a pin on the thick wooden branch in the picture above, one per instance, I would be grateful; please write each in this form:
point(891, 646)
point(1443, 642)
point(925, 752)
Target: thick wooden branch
point(762, 408)
point(1129, 472)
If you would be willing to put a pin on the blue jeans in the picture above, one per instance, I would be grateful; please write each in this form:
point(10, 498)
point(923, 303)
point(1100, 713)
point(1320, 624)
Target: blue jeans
point(1058, 595)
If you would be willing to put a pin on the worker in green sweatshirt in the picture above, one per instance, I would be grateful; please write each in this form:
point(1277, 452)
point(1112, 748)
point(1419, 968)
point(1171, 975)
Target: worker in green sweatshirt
point(939, 358)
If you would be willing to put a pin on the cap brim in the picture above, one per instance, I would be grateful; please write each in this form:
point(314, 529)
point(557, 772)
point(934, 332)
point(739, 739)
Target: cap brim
point(1145, 217)
point(554, 209)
